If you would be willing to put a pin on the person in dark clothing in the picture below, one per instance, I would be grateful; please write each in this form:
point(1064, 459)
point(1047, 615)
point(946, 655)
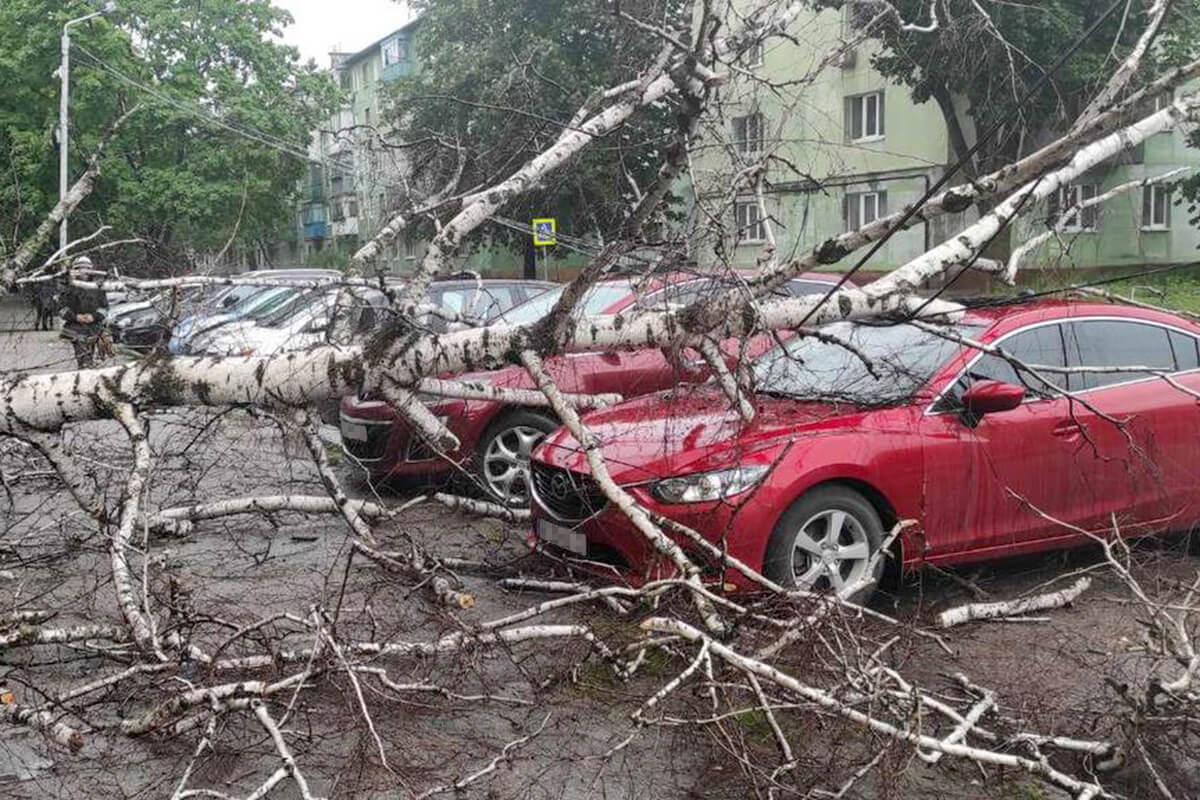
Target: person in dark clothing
point(83, 314)
point(45, 300)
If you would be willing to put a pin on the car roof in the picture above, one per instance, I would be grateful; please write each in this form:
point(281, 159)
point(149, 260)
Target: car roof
point(1008, 314)
point(297, 272)
point(400, 280)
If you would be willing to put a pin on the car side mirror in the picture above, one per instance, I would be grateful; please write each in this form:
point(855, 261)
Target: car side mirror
point(990, 397)
point(227, 302)
point(610, 357)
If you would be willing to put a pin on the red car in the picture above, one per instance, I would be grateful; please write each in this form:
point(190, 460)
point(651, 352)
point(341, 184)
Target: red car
point(955, 439)
point(496, 439)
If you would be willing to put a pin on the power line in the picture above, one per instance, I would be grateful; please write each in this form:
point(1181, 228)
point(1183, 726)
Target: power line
point(197, 110)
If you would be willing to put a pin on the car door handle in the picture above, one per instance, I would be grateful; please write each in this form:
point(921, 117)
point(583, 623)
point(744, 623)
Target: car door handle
point(1068, 429)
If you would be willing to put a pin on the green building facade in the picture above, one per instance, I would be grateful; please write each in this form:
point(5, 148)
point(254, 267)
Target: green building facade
point(861, 148)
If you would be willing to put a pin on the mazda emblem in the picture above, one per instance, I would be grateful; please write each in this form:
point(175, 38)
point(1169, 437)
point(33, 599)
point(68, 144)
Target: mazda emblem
point(560, 487)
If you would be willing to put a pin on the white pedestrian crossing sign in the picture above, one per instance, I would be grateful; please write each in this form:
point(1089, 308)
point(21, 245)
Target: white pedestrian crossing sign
point(545, 232)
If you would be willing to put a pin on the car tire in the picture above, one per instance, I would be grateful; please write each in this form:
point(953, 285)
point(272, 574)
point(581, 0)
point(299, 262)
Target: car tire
point(800, 553)
point(502, 455)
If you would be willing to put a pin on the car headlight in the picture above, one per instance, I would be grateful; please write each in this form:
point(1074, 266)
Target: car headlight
point(707, 486)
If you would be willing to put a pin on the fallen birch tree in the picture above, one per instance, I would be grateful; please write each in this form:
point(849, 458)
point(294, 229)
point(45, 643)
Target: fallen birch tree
point(188, 668)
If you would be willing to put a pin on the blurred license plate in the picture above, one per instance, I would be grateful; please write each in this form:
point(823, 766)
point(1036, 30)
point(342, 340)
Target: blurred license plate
point(351, 430)
point(562, 537)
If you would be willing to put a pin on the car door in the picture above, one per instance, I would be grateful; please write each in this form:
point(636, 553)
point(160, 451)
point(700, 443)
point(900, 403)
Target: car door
point(635, 372)
point(985, 483)
point(1140, 427)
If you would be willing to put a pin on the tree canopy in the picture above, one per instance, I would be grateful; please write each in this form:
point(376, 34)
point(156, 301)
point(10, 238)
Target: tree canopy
point(496, 81)
point(216, 147)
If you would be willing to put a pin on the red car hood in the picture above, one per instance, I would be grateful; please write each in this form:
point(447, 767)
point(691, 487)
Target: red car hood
point(691, 430)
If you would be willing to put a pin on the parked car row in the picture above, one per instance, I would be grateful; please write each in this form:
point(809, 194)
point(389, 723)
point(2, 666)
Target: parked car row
point(907, 422)
point(245, 319)
point(496, 438)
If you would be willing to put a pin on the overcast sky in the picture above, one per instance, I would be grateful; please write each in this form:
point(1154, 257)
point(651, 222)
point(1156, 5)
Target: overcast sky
point(343, 25)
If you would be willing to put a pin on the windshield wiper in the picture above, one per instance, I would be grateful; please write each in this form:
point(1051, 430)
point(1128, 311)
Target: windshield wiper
point(781, 393)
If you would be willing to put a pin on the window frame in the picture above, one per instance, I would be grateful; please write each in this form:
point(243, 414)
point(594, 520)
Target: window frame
point(1149, 193)
point(880, 131)
point(933, 410)
point(754, 55)
point(742, 231)
point(745, 144)
point(396, 47)
point(858, 199)
point(1118, 378)
point(1083, 221)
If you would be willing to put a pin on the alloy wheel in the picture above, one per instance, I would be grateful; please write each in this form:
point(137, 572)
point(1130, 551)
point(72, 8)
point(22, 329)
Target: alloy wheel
point(831, 551)
point(506, 463)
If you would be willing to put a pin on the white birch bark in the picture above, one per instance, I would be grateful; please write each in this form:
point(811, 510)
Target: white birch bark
point(1025, 605)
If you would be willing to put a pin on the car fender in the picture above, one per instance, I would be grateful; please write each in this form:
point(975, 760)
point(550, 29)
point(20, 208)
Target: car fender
point(891, 478)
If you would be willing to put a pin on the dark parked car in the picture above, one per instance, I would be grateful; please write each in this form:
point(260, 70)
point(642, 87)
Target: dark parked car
point(496, 439)
point(982, 456)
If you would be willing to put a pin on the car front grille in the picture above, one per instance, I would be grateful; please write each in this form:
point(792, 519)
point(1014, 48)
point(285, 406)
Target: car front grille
point(569, 496)
point(375, 447)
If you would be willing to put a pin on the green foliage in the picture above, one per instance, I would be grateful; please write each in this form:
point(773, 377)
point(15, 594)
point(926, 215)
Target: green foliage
point(980, 65)
point(171, 175)
point(500, 79)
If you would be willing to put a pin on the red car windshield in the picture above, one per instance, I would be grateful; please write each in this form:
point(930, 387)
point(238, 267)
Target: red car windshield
point(903, 358)
point(599, 298)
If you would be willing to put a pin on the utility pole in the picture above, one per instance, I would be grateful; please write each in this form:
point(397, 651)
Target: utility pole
point(64, 74)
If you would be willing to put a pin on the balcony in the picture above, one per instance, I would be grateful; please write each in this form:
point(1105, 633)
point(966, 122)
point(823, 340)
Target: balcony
point(400, 69)
point(315, 230)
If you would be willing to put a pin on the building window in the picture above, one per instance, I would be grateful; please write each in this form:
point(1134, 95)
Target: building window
point(750, 228)
point(1156, 208)
point(752, 58)
point(336, 211)
point(1066, 198)
point(395, 51)
point(352, 211)
point(864, 117)
point(410, 247)
point(748, 134)
point(367, 117)
point(863, 208)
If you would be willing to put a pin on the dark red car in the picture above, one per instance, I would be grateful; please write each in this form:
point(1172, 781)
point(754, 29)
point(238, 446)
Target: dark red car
point(945, 435)
point(496, 439)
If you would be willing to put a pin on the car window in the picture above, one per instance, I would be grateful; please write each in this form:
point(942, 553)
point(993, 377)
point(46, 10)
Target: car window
point(596, 301)
point(278, 315)
point(1042, 345)
point(236, 295)
point(1187, 351)
point(1116, 343)
point(680, 294)
point(265, 304)
point(493, 300)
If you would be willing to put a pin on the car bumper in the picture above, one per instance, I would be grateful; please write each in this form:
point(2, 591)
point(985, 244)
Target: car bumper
point(614, 547)
point(384, 444)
